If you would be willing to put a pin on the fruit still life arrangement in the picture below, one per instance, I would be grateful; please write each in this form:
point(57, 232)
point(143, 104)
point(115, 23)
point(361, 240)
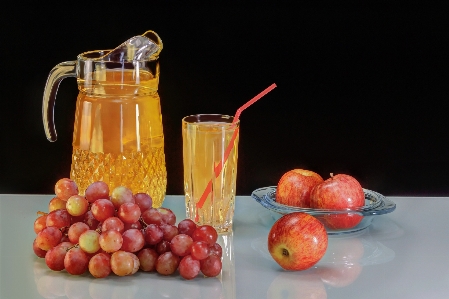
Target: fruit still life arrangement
point(117, 232)
point(297, 240)
point(121, 233)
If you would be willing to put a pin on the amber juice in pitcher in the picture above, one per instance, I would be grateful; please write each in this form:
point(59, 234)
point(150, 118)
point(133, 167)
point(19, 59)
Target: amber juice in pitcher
point(118, 136)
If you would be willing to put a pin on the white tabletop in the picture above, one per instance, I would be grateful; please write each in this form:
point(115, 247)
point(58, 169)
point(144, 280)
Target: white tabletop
point(404, 254)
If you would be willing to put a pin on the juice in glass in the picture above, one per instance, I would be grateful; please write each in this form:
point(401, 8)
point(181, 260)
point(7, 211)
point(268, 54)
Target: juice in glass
point(205, 139)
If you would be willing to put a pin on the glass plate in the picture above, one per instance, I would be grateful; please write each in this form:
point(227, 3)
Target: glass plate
point(375, 204)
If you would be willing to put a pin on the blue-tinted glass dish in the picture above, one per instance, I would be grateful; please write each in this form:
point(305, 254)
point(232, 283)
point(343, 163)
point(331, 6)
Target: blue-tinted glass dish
point(375, 204)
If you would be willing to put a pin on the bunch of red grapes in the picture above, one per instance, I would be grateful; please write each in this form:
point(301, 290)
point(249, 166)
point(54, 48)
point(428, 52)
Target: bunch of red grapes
point(121, 233)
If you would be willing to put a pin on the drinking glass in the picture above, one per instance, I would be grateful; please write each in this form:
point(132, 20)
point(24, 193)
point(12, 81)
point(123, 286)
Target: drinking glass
point(210, 168)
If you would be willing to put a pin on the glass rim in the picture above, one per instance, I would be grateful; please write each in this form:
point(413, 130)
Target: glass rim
point(210, 119)
point(97, 56)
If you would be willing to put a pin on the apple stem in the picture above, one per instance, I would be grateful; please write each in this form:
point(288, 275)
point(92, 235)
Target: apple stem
point(332, 174)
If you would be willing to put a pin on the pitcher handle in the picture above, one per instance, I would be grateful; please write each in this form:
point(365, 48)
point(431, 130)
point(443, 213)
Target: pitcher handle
point(57, 74)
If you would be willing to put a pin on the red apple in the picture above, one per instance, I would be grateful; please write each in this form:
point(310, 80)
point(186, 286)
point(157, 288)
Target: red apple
point(297, 241)
point(294, 187)
point(339, 192)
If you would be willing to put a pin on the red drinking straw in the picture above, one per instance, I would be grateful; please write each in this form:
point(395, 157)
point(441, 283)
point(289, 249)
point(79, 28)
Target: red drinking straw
point(219, 167)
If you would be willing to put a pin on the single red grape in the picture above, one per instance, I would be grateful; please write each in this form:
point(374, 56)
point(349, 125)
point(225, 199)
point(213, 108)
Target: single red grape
point(152, 216)
point(40, 223)
point(211, 266)
point(216, 249)
point(143, 200)
point(113, 223)
point(129, 212)
point(102, 209)
point(133, 240)
point(58, 218)
point(147, 258)
point(167, 263)
point(205, 233)
point(181, 245)
point(120, 195)
point(186, 227)
point(111, 240)
point(122, 263)
point(48, 238)
point(39, 252)
point(189, 267)
point(167, 215)
point(89, 241)
point(200, 250)
point(77, 205)
point(97, 190)
point(64, 188)
point(153, 234)
point(56, 204)
point(100, 265)
point(76, 261)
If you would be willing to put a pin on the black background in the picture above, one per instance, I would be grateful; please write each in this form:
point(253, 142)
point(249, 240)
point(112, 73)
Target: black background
point(362, 86)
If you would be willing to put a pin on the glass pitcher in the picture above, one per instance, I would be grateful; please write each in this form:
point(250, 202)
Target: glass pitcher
point(118, 136)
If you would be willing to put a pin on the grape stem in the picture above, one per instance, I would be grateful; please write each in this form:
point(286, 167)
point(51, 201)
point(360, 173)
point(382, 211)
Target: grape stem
point(144, 224)
point(74, 246)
